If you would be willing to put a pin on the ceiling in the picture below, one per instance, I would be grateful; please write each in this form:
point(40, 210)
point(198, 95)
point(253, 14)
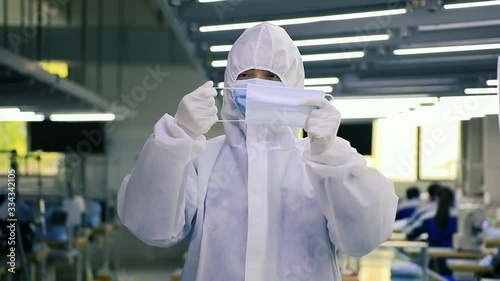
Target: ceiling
point(423, 23)
point(25, 85)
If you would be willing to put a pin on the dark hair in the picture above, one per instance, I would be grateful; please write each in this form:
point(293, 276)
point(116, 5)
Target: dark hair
point(412, 192)
point(446, 200)
point(433, 190)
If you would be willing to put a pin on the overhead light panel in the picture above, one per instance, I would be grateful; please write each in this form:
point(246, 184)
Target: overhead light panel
point(9, 110)
point(245, 25)
point(493, 83)
point(308, 58)
point(219, 63)
point(321, 81)
point(341, 40)
point(326, 89)
point(458, 25)
point(82, 117)
point(210, 1)
point(471, 4)
point(319, 42)
point(446, 49)
point(26, 116)
point(333, 56)
point(480, 91)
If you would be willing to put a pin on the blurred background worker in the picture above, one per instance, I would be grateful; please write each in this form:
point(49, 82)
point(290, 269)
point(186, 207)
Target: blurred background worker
point(410, 205)
point(440, 224)
point(426, 206)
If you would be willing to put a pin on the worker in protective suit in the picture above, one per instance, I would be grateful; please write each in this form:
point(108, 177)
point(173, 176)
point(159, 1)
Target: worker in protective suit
point(261, 203)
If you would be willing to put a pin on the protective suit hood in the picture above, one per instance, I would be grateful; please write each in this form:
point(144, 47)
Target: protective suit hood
point(266, 47)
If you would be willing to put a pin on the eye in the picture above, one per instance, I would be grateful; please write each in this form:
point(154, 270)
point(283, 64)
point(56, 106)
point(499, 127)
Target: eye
point(272, 76)
point(243, 75)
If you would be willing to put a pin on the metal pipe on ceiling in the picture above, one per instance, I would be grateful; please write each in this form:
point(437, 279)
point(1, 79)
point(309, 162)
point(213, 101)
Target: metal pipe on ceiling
point(83, 41)
point(5, 23)
point(121, 22)
point(39, 30)
point(181, 34)
point(100, 14)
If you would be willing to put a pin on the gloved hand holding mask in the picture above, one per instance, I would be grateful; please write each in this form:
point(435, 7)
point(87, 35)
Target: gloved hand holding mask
point(197, 112)
point(322, 125)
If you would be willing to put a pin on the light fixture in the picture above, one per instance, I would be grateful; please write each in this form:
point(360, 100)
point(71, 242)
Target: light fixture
point(493, 83)
point(471, 4)
point(80, 117)
point(318, 42)
point(219, 63)
point(333, 56)
point(210, 1)
point(27, 116)
point(245, 25)
point(9, 110)
point(57, 68)
point(321, 81)
point(341, 40)
point(326, 89)
point(480, 91)
point(371, 107)
point(307, 58)
point(446, 49)
point(458, 25)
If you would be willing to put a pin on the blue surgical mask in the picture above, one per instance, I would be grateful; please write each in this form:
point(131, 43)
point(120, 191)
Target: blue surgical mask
point(240, 90)
point(279, 105)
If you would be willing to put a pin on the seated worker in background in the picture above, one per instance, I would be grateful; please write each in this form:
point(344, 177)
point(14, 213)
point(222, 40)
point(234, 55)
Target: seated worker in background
point(425, 207)
point(408, 207)
point(440, 224)
point(259, 202)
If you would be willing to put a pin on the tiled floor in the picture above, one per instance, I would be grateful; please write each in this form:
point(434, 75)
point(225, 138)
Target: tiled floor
point(374, 267)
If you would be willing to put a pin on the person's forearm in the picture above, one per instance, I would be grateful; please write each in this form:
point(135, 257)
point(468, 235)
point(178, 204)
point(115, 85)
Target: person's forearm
point(156, 201)
point(358, 201)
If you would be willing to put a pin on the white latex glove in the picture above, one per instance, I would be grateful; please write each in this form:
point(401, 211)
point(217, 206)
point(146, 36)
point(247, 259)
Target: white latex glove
point(197, 112)
point(322, 125)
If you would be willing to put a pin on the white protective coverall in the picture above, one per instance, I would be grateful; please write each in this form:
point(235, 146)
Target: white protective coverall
point(259, 205)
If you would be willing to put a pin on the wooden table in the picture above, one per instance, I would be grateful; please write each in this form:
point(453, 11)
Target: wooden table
point(492, 242)
point(439, 252)
point(468, 265)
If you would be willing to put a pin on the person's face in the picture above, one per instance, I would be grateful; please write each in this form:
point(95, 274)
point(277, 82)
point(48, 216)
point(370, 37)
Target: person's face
point(258, 73)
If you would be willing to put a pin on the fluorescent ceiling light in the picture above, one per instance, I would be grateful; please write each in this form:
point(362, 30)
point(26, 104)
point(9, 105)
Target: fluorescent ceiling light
point(209, 1)
point(75, 117)
point(9, 110)
point(378, 107)
point(219, 63)
point(458, 25)
point(306, 58)
point(446, 49)
point(341, 40)
point(471, 4)
point(321, 81)
point(28, 117)
point(479, 91)
point(318, 42)
point(245, 25)
point(326, 89)
point(333, 56)
point(220, 48)
point(492, 83)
